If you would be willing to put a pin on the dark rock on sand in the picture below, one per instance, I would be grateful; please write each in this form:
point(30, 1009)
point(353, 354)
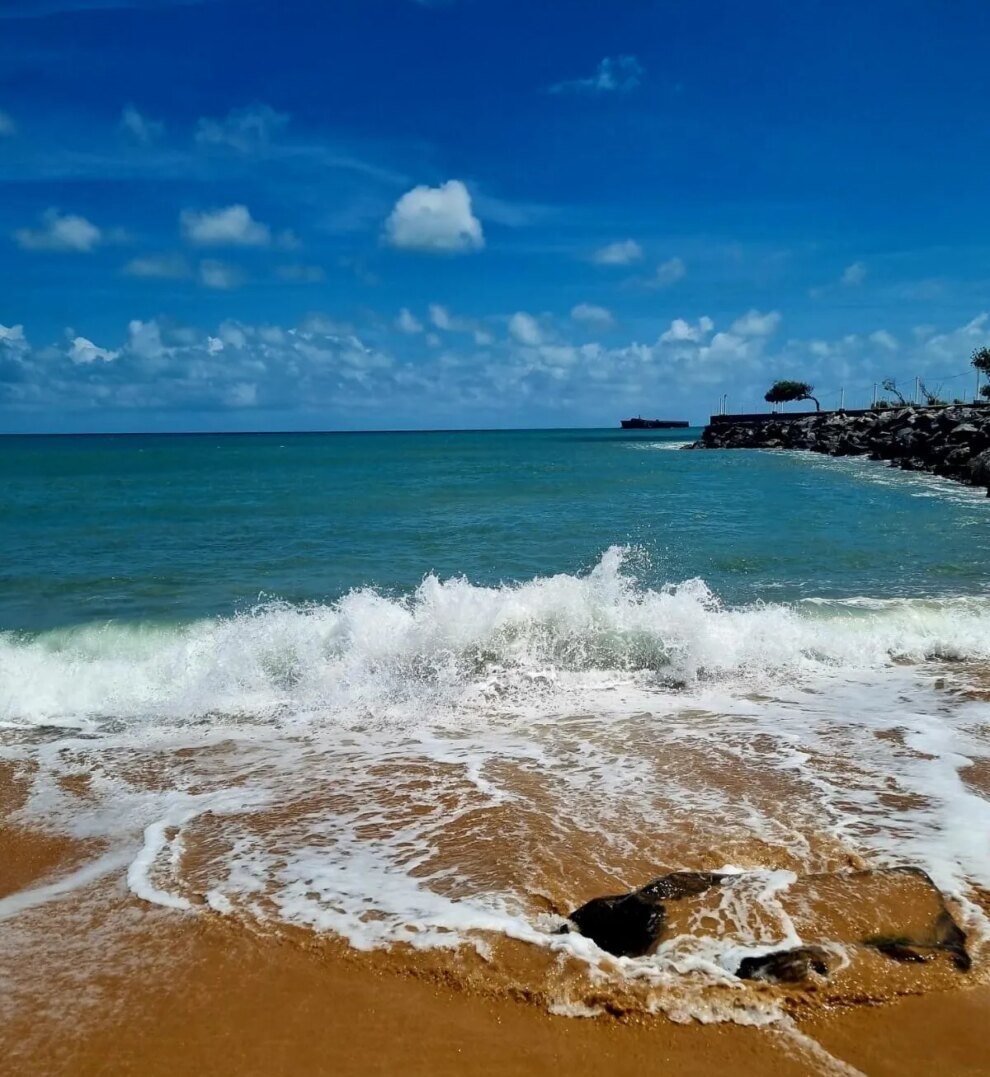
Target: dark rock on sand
point(785, 966)
point(897, 911)
point(625, 925)
point(900, 950)
point(628, 925)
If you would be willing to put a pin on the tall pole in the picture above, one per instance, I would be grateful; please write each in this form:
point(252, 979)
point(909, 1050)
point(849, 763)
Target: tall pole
point(917, 390)
point(874, 394)
point(842, 400)
point(976, 399)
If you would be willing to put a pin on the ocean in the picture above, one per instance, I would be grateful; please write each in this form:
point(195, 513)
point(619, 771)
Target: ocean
point(431, 691)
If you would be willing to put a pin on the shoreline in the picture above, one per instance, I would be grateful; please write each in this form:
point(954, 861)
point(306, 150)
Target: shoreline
point(952, 442)
point(160, 991)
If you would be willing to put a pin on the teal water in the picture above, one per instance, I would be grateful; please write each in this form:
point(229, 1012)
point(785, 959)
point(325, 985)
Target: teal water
point(179, 527)
point(420, 688)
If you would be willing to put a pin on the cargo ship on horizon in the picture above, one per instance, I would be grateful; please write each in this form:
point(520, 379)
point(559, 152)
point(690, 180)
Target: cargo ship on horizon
point(640, 423)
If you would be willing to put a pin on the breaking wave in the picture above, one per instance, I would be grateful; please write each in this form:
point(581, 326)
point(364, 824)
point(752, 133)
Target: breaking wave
point(560, 641)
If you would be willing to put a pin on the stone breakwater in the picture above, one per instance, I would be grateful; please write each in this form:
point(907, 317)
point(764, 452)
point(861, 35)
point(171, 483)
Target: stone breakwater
point(950, 441)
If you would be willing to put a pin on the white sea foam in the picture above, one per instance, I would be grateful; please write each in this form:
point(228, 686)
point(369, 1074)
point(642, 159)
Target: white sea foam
point(347, 767)
point(563, 641)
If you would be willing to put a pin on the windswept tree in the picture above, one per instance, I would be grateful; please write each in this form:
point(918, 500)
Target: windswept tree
point(783, 392)
point(932, 397)
point(981, 360)
point(890, 386)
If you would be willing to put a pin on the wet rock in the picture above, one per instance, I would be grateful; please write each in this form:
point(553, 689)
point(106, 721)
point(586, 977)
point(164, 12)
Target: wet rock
point(950, 441)
point(899, 950)
point(897, 911)
point(626, 925)
point(951, 938)
point(979, 469)
point(681, 884)
point(785, 966)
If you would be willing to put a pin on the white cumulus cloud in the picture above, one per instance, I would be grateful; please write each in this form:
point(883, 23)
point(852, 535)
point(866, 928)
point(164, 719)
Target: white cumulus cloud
point(884, 340)
point(12, 337)
point(144, 339)
point(525, 329)
point(440, 317)
point(683, 331)
point(232, 226)
point(622, 253)
point(60, 232)
point(755, 324)
point(592, 315)
point(83, 351)
point(668, 273)
point(436, 220)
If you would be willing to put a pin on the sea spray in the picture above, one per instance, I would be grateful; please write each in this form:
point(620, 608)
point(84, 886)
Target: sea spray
point(566, 641)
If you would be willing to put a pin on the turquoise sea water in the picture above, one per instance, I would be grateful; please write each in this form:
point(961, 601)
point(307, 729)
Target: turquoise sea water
point(181, 527)
point(430, 688)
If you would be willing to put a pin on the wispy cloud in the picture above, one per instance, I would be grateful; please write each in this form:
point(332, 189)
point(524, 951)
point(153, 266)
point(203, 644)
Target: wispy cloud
point(158, 267)
point(525, 329)
point(140, 127)
point(853, 275)
point(220, 276)
point(298, 273)
point(246, 130)
point(622, 253)
point(7, 125)
point(407, 322)
point(38, 9)
point(614, 74)
point(667, 273)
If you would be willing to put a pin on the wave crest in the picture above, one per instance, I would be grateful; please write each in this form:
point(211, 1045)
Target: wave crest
point(557, 641)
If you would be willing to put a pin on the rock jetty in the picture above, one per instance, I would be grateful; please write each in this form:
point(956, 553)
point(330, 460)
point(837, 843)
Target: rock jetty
point(952, 441)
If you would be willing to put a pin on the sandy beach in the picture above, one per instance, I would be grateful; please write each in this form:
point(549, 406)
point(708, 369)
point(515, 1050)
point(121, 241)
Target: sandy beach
point(97, 981)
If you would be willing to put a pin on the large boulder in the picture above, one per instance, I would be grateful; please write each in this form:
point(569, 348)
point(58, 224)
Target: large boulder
point(979, 469)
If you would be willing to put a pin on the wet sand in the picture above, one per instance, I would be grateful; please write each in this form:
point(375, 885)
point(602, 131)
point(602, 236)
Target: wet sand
point(97, 982)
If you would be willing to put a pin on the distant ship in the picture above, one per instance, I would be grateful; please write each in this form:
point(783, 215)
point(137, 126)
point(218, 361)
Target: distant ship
point(653, 424)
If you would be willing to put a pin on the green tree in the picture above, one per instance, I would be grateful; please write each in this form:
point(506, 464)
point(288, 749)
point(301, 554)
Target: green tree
point(981, 360)
point(783, 392)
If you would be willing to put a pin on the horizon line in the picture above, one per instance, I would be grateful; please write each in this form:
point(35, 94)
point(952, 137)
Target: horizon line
point(292, 433)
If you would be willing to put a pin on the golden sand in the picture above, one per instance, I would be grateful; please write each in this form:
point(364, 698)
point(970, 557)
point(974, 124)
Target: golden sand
point(98, 982)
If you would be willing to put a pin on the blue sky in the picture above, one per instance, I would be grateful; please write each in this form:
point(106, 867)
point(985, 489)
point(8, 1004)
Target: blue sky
point(231, 214)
